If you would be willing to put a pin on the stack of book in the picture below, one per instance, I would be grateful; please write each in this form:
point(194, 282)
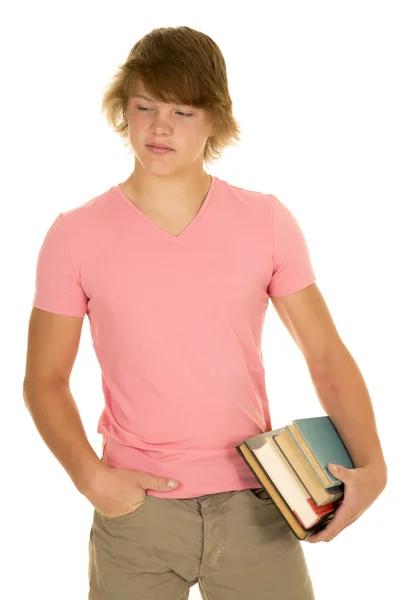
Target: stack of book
point(291, 465)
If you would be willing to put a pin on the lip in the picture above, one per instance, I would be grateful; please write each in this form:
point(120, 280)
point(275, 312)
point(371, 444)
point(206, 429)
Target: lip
point(159, 151)
point(162, 146)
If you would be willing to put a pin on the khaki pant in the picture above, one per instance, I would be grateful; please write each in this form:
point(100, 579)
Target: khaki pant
point(234, 544)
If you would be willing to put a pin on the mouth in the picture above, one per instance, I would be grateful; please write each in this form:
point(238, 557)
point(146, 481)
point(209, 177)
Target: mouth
point(159, 149)
point(155, 145)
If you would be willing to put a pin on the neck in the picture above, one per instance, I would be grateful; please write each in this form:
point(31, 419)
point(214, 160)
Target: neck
point(173, 191)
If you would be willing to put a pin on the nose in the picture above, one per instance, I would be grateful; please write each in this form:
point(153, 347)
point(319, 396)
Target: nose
point(161, 126)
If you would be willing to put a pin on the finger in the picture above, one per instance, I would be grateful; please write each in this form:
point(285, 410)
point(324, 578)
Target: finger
point(330, 531)
point(316, 537)
point(342, 473)
point(321, 537)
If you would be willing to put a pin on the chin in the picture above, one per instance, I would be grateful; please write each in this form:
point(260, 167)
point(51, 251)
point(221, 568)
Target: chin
point(159, 169)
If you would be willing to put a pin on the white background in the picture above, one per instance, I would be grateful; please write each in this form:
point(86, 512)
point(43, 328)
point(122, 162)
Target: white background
point(315, 87)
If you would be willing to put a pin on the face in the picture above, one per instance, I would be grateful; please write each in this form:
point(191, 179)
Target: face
point(184, 128)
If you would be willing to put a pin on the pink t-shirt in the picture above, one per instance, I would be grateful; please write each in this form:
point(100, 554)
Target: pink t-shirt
point(176, 324)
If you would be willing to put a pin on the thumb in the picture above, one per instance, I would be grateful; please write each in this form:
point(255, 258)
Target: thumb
point(158, 483)
point(338, 471)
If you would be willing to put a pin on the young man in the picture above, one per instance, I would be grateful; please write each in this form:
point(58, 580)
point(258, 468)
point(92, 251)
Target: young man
point(174, 269)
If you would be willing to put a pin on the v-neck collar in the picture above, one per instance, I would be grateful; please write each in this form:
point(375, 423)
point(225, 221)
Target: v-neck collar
point(166, 234)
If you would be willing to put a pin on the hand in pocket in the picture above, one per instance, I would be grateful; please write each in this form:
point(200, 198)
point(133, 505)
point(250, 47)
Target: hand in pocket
point(118, 492)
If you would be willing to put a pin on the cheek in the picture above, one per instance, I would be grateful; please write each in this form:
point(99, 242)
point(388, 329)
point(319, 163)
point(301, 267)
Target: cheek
point(137, 123)
point(194, 135)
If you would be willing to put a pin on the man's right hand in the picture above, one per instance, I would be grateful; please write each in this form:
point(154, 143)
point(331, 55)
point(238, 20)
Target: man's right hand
point(118, 492)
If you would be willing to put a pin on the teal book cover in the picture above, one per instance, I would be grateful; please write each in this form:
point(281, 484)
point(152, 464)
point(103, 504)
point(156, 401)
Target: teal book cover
point(326, 444)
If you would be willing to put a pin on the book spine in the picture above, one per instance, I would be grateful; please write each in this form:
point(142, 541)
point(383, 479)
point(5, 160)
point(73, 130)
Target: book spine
point(304, 532)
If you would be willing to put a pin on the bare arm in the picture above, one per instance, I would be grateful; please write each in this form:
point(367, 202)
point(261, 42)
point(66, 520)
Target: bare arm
point(53, 342)
point(56, 416)
point(339, 384)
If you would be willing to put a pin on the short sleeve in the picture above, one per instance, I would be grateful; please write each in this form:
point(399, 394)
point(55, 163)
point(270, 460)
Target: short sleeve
point(292, 267)
point(57, 288)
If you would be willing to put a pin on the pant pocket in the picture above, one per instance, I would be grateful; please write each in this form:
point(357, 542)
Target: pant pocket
point(127, 516)
point(259, 495)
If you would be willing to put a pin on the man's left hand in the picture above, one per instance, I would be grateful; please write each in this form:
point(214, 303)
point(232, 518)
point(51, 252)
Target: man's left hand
point(362, 486)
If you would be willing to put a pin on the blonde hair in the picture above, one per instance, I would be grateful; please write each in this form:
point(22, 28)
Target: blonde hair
point(181, 65)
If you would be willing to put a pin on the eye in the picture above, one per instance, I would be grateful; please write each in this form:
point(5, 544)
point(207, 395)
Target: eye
point(143, 108)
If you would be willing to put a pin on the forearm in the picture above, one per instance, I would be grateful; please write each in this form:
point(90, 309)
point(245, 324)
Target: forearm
point(344, 396)
point(56, 416)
